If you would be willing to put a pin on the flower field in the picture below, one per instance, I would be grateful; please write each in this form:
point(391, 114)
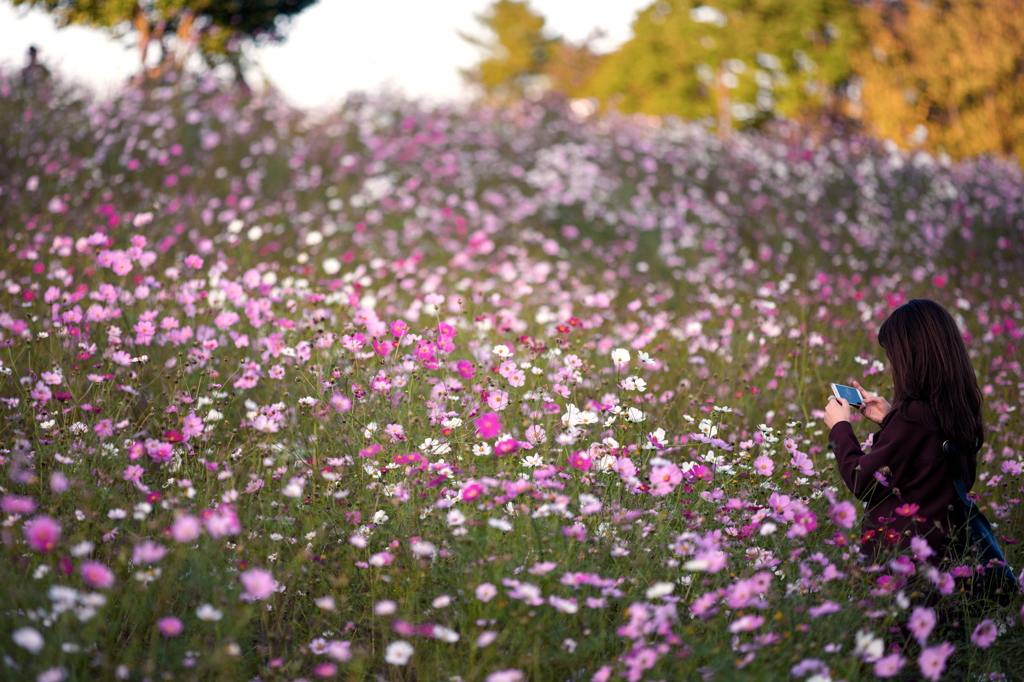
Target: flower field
point(411, 393)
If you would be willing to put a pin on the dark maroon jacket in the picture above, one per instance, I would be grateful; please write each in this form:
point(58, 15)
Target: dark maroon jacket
point(907, 450)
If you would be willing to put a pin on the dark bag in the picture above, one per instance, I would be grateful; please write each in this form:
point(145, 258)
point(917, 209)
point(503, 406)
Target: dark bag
point(974, 537)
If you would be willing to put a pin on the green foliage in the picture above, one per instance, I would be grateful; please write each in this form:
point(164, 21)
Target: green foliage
point(517, 52)
point(219, 25)
point(778, 56)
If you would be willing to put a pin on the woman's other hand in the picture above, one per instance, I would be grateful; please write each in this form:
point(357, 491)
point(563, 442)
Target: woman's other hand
point(875, 406)
point(837, 410)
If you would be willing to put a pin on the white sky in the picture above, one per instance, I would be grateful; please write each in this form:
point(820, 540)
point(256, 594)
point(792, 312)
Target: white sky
point(334, 47)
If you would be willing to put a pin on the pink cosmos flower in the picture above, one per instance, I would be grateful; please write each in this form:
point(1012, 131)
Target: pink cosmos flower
point(497, 400)
point(170, 626)
point(746, 623)
point(340, 651)
point(186, 528)
point(258, 584)
point(148, 552)
point(325, 670)
point(59, 482)
point(97, 575)
point(133, 473)
point(221, 521)
point(907, 509)
point(922, 550)
point(381, 559)
point(488, 425)
point(506, 447)
point(485, 592)
point(42, 533)
point(843, 514)
point(984, 634)
point(933, 660)
point(191, 426)
point(664, 479)
point(17, 504)
point(159, 451)
point(764, 465)
point(889, 666)
point(465, 369)
point(922, 620)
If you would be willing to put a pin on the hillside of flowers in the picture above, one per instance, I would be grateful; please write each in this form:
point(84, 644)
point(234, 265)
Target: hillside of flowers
point(422, 393)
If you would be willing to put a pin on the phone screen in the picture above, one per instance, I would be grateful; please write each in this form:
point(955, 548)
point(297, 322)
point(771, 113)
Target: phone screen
point(848, 393)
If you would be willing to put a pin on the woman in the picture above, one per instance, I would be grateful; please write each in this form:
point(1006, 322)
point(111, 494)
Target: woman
point(906, 479)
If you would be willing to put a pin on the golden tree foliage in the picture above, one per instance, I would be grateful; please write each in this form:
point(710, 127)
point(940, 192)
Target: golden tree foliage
point(955, 67)
point(521, 57)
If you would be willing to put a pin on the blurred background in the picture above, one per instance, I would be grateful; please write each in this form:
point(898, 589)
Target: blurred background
point(945, 75)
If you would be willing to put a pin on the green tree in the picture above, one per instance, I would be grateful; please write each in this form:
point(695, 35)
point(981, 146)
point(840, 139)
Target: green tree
point(771, 57)
point(219, 28)
point(947, 74)
point(521, 58)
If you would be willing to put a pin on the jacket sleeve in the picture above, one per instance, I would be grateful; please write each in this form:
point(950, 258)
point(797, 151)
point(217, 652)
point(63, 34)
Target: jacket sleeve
point(893, 442)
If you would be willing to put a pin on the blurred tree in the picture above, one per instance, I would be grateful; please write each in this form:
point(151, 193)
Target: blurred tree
point(219, 28)
point(741, 60)
point(947, 74)
point(520, 58)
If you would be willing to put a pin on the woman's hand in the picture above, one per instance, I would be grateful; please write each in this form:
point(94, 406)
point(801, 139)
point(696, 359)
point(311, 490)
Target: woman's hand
point(875, 407)
point(837, 410)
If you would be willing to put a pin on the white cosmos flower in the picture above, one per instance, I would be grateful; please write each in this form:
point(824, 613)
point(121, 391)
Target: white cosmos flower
point(502, 351)
point(208, 613)
point(398, 652)
point(29, 639)
point(620, 356)
point(659, 590)
point(533, 461)
point(634, 415)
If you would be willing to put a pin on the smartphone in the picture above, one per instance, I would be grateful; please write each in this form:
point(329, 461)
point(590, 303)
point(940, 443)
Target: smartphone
point(848, 393)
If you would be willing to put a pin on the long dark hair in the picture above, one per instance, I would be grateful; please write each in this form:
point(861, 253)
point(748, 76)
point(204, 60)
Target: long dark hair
point(929, 361)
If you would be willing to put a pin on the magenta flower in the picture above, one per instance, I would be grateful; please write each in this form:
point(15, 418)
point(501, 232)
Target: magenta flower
point(258, 583)
point(984, 634)
point(933, 660)
point(488, 425)
point(97, 575)
point(325, 669)
point(42, 533)
point(506, 447)
point(465, 369)
point(17, 504)
point(170, 626)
